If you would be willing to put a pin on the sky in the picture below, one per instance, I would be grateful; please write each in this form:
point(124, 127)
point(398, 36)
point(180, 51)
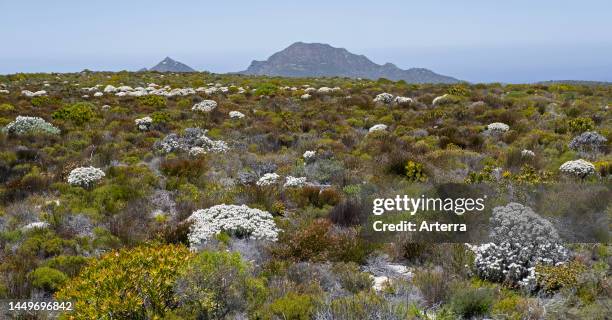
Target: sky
point(510, 41)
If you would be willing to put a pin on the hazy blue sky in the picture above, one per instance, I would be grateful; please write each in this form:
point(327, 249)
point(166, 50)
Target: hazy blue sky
point(474, 40)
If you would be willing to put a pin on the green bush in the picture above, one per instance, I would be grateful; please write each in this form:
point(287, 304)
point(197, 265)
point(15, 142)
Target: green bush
point(46, 278)
point(293, 306)
point(415, 172)
point(266, 89)
point(471, 302)
point(153, 101)
point(433, 285)
point(553, 278)
point(160, 117)
point(579, 125)
point(78, 113)
point(45, 101)
point(216, 284)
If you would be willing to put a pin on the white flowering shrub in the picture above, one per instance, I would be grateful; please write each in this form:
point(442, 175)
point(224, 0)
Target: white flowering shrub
point(440, 99)
point(402, 100)
point(35, 225)
point(309, 154)
point(144, 124)
point(527, 154)
point(192, 139)
point(267, 179)
point(378, 127)
point(577, 168)
point(236, 115)
point(498, 127)
point(205, 106)
point(293, 182)
point(384, 97)
point(197, 151)
point(520, 240)
point(238, 221)
point(171, 143)
point(31, 94)
point(110, 88)
point(85, 176)
point(25, 125)
point(588, 141)
point(324, 90)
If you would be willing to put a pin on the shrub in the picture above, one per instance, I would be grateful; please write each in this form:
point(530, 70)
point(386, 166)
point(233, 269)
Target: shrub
point(70, 265)
point(293, 306)
point(205, 106)
point(320, 241)
point(85, 176)
point(581, 124)
point(458, 90)
point(26, 125)
point(347, 213)
point(45, 101)
point(577, 168)
point(433, 285)
point(351, 278)
point(46, 278)
point(470, 302)
point(152, 101)
point(552, 278)
point(6, 107)
point(415, 172)
point(588, 141)
point(521, 240)
point(132, 283)
point(364, 305)
point(78, 113)
point(266, 89)
point(239, 221)
point(144, 124)
point(216, 284)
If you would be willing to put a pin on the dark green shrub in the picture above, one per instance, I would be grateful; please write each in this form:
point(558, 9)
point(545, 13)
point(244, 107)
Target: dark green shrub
point(153, 101)
point(78, 113)
point(293, 306)
point(469, 302)
point(46, 278)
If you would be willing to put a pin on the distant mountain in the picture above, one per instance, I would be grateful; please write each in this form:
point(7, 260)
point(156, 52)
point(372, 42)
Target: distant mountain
point(322, 60)
point(169, 65)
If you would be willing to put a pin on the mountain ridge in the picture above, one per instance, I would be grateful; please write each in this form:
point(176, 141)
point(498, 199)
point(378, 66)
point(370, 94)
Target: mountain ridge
point(302, 59)
point(170, 65)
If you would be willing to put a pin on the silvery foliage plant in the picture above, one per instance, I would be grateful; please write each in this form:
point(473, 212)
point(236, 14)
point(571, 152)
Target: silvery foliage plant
point(267, 179)
point(498, 127)
point(520, 240)
point(384, 97)
point(378, 127)
point(589, 141)
point(577, 168)
point(25, 125)
point(238, 221)
point(295, 182)
point(85, 176)
point(194, 141)
point(205, 106)
point(144, 124)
